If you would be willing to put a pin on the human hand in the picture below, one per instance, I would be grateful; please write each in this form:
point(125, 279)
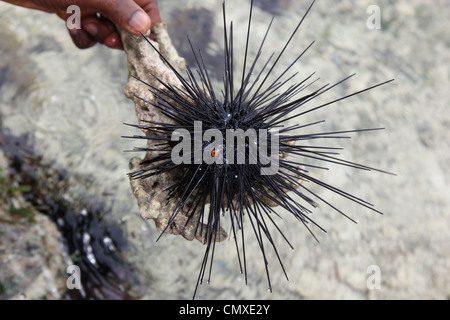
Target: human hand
point(100, 17)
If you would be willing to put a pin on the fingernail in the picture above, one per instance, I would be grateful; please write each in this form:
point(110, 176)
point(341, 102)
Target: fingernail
point(113, 41)
point(91, 29)
point(139, 21)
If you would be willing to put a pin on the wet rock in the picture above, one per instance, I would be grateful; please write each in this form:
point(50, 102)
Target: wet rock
point(31, 260)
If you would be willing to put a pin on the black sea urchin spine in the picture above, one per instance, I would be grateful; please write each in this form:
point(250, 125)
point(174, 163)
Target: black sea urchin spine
point(235, 189)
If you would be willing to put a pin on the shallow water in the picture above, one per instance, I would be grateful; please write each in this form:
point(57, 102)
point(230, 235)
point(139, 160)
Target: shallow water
point(69, 106)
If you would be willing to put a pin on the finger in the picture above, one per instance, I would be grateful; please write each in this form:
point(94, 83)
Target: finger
point(96, 28)
point(81, 38)
point(102, 30)
point(127, 14)
point(151, 8)
point(113, 41)
point(108, 23)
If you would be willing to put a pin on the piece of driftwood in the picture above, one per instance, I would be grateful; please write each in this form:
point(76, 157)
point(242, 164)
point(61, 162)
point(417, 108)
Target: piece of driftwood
point(144, 63)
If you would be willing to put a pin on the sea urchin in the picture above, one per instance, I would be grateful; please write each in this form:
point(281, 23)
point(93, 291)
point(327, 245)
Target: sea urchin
point(234, 154)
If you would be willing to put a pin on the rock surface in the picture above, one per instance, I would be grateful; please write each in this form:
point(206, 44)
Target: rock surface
point(31, 259)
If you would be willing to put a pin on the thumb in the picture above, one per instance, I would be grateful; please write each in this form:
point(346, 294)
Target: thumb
point(126, 14)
